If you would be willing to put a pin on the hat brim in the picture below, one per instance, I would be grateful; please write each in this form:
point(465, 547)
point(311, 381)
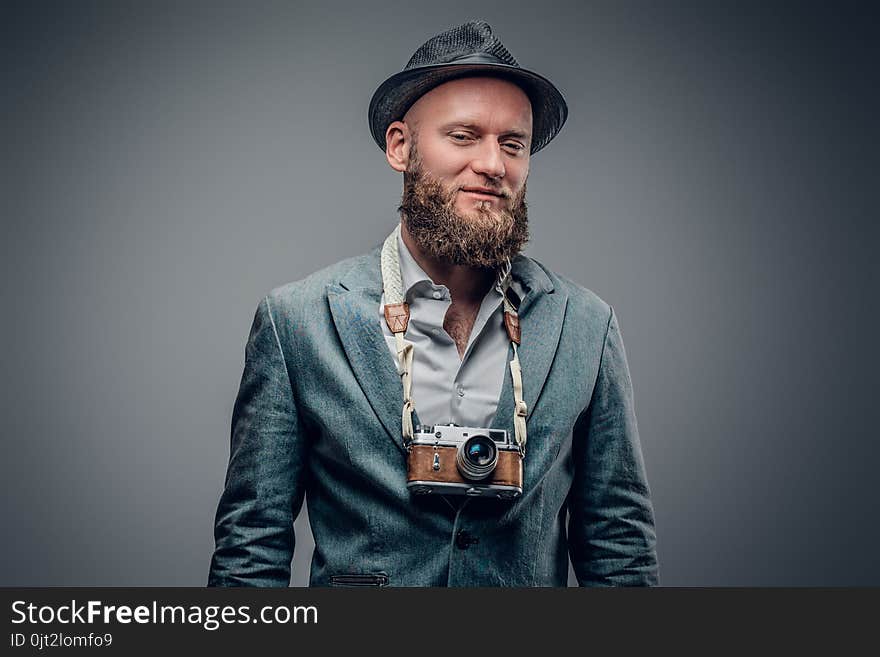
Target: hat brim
point(399, 92)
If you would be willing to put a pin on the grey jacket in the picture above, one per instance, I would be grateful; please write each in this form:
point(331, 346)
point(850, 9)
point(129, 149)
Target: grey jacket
point(318, 416)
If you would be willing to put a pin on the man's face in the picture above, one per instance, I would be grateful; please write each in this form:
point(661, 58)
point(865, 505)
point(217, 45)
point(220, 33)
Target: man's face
point(465, 173)
point(474, 136)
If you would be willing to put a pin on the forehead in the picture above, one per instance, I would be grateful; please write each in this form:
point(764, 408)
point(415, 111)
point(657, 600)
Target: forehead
point(491, 102)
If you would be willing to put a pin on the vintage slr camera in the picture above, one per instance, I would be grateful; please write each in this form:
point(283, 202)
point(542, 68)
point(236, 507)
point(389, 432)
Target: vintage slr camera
point(448, 459)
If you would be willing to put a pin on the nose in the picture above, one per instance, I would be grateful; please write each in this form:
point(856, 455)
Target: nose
point(489, 161)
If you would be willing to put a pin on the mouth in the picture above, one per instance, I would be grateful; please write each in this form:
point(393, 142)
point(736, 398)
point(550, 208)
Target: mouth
point(483, 193)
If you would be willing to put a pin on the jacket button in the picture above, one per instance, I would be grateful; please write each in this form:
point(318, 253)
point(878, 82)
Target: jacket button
point(464, 539)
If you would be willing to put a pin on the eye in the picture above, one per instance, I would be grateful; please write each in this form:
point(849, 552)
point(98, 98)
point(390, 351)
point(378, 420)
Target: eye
point(459, 136)
point(514, 146)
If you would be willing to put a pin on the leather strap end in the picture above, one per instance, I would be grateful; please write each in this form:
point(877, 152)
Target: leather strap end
point(397, 316)
point(511, 323)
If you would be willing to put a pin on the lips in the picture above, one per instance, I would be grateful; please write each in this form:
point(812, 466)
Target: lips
point(481, 191)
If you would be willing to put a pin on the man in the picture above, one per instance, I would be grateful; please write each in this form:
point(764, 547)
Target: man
point(445, 323)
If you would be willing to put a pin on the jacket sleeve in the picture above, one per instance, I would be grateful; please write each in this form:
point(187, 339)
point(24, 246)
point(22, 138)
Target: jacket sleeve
point(611, 519)
point(264, 487)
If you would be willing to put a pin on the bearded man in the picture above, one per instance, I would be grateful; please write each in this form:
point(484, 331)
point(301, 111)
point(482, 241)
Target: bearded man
point(455, 413)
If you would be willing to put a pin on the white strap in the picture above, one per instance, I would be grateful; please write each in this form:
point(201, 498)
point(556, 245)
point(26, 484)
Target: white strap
point(392, 280)
point(520, 410)
point(393, 284)
point(405, 361)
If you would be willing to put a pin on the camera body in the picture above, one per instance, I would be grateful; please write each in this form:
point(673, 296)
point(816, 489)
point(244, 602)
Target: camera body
point(447, 459)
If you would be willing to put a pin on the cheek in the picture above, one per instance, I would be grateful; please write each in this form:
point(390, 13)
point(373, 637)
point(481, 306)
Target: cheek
point(441, 160)
point(518, 175)
point(519, 186)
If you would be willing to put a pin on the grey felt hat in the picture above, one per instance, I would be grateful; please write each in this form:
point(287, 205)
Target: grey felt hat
point(462, 51)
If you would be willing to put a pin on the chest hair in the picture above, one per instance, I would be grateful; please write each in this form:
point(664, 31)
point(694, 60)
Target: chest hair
point(458, 323)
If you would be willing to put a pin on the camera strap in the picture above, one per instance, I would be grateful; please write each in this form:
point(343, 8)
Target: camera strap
point(396, 312)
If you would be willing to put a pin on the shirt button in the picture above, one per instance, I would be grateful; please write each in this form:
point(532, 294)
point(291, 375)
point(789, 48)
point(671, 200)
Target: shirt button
point(437, 294)
point(435, 331)
point(464, 540)
point(460, 391)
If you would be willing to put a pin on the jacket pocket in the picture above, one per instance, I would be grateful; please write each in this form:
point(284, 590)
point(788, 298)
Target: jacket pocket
point(379, 579)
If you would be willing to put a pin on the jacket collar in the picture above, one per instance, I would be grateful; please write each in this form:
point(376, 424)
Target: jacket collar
point(354, 300)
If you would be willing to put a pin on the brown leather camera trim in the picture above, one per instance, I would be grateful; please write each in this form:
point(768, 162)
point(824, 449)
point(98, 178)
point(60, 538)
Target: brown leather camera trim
point(420, 467)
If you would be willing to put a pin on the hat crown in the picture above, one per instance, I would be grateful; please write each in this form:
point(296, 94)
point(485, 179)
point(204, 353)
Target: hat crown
point(469, 49)
point(467, 39)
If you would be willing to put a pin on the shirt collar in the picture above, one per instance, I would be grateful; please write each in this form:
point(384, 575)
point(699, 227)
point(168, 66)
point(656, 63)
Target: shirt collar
point(410, 271)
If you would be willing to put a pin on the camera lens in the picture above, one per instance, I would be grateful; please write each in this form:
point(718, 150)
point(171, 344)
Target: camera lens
point(476, 457)
point(479, 453)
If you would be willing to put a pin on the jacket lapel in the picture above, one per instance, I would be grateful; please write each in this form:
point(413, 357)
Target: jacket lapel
point(354, 305)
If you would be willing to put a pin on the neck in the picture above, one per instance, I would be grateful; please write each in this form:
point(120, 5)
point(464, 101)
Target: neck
point(466, 284)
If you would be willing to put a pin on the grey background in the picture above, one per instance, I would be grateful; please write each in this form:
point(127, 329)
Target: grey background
point(164, 166)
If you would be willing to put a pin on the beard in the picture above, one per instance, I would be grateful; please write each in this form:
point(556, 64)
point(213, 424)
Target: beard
point(485, 238)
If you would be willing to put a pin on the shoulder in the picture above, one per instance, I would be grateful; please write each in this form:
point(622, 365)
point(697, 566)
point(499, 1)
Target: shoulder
point(583, 305)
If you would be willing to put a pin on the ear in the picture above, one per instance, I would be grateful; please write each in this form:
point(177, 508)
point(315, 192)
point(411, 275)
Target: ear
point(398, 138)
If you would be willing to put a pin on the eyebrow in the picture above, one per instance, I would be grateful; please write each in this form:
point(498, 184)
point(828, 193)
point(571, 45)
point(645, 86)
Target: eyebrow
point(471, 126)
